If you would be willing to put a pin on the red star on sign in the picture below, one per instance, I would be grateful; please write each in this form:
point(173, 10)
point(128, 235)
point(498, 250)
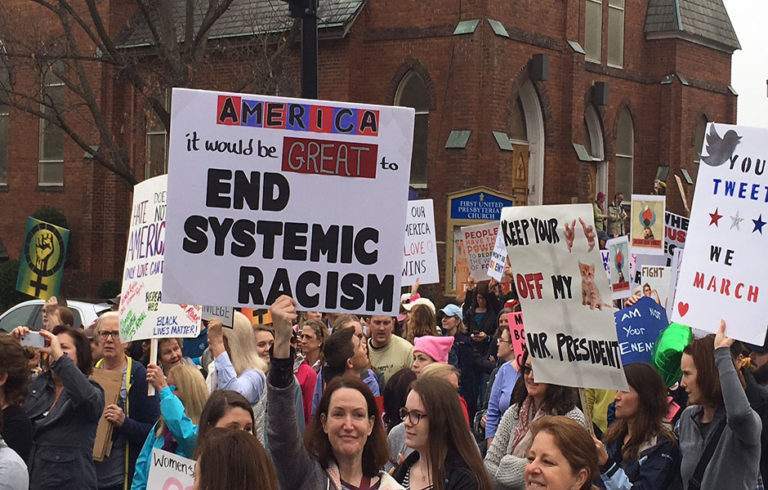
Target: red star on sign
point(714, 218)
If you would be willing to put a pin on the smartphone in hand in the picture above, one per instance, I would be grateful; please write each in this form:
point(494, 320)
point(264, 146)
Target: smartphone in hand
point(33, 339)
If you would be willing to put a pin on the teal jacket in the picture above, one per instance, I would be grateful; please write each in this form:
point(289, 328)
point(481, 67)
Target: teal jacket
point(182, 428)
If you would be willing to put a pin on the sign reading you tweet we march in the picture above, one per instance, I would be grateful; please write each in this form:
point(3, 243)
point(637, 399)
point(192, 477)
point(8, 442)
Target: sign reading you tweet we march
point(723, 274)
point(270, 196)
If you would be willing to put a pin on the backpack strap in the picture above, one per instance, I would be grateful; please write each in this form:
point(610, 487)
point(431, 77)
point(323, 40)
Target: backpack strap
point(695, 482)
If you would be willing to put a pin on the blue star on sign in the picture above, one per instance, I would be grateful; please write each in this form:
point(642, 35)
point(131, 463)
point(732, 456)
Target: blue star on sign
point(758, 224)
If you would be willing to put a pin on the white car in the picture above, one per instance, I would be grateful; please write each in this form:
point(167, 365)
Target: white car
point(29, 313)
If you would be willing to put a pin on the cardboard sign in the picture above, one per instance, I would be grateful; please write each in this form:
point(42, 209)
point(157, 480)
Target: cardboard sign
point(570, 334)
point(143, 312)
point(618, 250)
point(420, 251)
point(41, 265)
point(462, 269)
point(517, 334)
point(224, 313)
point(498, 259)
point(723, 275)
point(655, 283)
point(110, 382)
point(675, 231)
point(638, 327)
point(170, 471)
point(270, 196)
point(479, 242)
point(647, 224)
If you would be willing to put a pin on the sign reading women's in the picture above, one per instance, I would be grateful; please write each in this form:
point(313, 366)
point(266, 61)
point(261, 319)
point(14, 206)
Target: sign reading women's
point(271, 196)
point(143, 313)
point(169, 471)
point(564, 293)
point(420, 252)
point(723, 274)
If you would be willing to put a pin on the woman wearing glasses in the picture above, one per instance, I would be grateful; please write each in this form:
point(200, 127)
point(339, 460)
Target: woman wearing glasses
point(506, 457)
point(445, 455)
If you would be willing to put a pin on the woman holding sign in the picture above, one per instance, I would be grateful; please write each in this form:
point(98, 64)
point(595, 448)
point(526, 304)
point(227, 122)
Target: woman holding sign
point(506, 457)
point(640, 450)
point(345, 444)
point(182, 398)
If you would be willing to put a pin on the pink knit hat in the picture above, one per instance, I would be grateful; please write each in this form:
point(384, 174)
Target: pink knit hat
point(435, 347)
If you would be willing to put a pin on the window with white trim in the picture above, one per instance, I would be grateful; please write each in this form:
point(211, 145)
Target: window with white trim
point(625, 152)
point(616, 33)
point(593, 27)
point(50, 169)
point(412, 92)
point(157, 143)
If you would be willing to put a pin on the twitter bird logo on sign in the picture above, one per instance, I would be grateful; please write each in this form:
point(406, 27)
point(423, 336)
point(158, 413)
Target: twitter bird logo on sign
point(720, 149)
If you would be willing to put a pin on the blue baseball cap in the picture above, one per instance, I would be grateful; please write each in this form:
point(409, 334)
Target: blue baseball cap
point(452, 310)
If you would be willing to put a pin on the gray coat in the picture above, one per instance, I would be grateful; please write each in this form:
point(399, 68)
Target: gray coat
point(62, 442)
point(735, 463)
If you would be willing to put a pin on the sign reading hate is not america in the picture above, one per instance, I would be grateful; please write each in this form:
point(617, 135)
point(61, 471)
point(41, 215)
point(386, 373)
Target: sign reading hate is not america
point(272, 196)
point(723, 275)
point(564, 294)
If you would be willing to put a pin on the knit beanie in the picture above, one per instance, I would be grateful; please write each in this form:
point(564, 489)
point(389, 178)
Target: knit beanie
point(435, 347)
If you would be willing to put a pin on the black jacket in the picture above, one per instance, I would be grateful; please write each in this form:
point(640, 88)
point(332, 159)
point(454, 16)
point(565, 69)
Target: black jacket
point(457, 475)
point(758, 400)
point(62, 444)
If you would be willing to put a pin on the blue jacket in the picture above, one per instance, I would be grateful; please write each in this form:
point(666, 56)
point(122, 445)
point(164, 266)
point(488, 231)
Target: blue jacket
point(182, 429)
point(656, 467)
point(141, 413)
point(501, 396)
point(62, 443)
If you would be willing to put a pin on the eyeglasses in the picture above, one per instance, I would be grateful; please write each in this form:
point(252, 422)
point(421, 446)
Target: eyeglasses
point(104, 335)
point(413, 416)
point(526, 370)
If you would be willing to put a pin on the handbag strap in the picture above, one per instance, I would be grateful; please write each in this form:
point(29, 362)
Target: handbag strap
point(695, 482)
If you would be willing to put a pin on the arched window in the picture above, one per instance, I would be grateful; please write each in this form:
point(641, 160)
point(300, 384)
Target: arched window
point(596, 148)
point(51, 161)
point(518, 132)
point(625, 152)
point(412, 92)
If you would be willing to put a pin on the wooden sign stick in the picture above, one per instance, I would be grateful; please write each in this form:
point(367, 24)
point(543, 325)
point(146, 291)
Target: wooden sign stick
point(152, 360)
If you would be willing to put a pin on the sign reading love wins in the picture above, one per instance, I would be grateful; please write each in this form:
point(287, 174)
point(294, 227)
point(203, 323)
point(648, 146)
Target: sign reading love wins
point(722, 274)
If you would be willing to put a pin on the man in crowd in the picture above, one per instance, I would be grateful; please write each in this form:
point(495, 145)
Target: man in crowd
point(389, 353)
point(756, 380)
point(616, 217)
point(133, 414)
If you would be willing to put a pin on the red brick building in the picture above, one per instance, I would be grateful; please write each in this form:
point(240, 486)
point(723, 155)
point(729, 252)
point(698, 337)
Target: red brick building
point(546, 101)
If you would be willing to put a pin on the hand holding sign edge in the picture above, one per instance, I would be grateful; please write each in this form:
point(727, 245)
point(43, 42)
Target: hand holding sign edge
point(720, 339)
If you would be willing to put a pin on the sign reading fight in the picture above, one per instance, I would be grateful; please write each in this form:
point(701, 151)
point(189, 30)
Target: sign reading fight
point(638, 327)
point(143, 312)
point(420, 252)
point(272, 196)
point(479, 241)
point(722, 275)
point(570, 330)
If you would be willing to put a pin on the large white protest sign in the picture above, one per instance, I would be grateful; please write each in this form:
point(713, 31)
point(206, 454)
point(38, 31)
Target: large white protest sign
point(570, 329)
point(723, 272)
point(479, 241)
point(420, 252)
point(272, 196)
point(143, 313)
point(498, 259)
point(170, 471)
point(675, 231)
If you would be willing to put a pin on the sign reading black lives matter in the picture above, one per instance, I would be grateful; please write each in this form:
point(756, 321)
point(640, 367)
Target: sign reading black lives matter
point(270, 196)
point(565, 295)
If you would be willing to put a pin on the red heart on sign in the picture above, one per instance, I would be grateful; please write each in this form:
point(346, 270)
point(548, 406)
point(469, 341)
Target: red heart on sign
point(682, 308)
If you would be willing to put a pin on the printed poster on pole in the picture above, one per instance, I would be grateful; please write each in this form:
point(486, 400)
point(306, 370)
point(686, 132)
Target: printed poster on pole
point(270, 196)
point(479, 242)
point(564, 294)
point(647, 224)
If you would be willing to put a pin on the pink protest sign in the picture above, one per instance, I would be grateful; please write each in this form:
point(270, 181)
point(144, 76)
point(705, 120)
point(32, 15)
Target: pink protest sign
point(517, 334)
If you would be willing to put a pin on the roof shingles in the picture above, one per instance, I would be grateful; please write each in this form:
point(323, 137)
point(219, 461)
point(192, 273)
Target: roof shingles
point(707, 19)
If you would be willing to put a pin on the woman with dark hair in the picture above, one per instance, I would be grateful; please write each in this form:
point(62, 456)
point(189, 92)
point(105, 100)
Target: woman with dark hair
point(65, 407)
point(225, 409)
point(445, 455)
point(230, 459)
point(344, 446)
point(503, 378)
point(640, 450)
point(461, 355)
point(395, 393)
point(561, 456)
point(505, 460)
point(718, 424)
point(14, 377)
point(481, 310)
point(421, 321)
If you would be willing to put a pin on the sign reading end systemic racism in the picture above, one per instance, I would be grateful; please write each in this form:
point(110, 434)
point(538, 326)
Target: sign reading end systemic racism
point(564, 293)
point(144, 313)
point(270, 196)
point(723, 274)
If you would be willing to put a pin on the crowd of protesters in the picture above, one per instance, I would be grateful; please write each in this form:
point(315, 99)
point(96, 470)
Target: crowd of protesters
point(430, 399)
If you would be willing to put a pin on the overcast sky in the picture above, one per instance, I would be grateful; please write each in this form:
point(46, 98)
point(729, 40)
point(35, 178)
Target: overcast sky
point(750, 65)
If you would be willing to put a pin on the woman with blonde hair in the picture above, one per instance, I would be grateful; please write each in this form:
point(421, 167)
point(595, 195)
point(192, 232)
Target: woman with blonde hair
point(236, 364)
point(182, 398)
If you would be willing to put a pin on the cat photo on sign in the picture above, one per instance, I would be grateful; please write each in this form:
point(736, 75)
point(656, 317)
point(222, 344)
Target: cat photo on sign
point(590, 293)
